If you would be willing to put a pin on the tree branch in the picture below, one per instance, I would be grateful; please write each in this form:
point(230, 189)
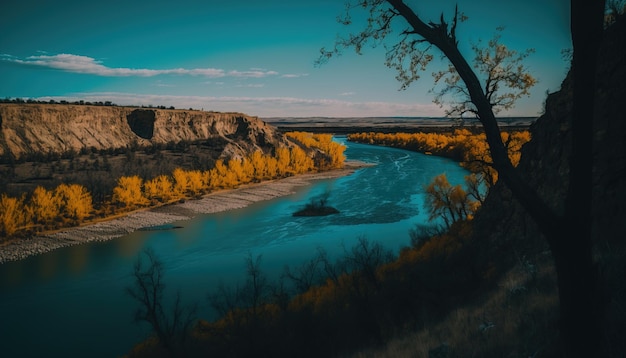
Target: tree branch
point(543, 215)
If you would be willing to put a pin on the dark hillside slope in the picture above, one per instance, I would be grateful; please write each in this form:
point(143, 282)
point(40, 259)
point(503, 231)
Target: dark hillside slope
point(544, 160)
point(544, 163)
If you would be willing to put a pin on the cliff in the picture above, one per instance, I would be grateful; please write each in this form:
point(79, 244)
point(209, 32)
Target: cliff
point(545, 160)
point(44, 128)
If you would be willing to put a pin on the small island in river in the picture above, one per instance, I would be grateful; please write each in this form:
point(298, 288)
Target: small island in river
point(318, 206)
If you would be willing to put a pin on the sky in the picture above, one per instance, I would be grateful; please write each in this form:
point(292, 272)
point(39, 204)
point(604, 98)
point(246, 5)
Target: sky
point(255, 57)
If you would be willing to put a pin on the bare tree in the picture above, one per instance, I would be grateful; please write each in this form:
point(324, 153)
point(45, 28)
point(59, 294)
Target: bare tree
point(242, 306)
point(306, 275)
point(225, 300)
point(568, 233)
point(257, 288)
point(171, 328)
point(365, 257)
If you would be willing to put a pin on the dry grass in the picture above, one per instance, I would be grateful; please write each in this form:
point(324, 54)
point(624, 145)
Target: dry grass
point(518, 319)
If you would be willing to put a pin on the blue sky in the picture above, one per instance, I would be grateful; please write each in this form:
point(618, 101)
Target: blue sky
point(255, 57)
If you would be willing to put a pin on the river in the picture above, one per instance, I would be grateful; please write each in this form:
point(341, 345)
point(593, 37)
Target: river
point(71, 302)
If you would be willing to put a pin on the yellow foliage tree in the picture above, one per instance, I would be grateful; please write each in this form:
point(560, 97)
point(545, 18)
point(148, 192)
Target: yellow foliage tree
point(74, 201)
point(129, 191)
point(283, 158)
point(13, 215)
point(259, 165)
point(159, 188)
point(196, 182)
point(218, 174)
point(235, 167)
point(462, 145)
point(450, 203)
point(300, 162)
point(181, 182)
point(335, 152)
point(271, 166)
point(43, 206)
point(325, 143)
point(248, 169)
point(150, 189)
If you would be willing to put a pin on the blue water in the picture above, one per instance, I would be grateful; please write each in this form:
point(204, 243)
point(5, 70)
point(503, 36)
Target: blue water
point(71, 302)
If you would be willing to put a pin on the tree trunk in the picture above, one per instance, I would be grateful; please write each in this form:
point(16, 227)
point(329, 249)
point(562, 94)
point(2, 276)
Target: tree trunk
point(579, 294)
point(568, 234)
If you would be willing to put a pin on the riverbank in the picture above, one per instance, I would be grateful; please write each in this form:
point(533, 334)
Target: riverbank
point(215, 202)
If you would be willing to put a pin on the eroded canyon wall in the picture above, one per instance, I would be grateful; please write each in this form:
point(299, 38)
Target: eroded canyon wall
point(44, 128)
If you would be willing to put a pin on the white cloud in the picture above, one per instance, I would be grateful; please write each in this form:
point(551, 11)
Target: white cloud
point(252, 85)
point(294, 75)
point(252, 73)
point(159, 83)
point(347, 94)
point(89, 65)
point(266, 106)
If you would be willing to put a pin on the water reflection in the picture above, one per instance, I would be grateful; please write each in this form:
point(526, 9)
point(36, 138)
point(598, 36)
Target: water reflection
point(78, 259)
point(130, 248)
point(49, 265)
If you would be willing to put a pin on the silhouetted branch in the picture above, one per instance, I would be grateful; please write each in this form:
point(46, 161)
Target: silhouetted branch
point(148, 290)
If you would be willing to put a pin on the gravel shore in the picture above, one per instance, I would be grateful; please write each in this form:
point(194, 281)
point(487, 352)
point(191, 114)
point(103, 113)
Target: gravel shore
point(211, 203)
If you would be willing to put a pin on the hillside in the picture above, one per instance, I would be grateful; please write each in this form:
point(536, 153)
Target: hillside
point(512, 235)
point(43, 128)
point(545, 159)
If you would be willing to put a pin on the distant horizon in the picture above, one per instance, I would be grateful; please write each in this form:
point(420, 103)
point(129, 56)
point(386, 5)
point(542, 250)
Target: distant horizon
point(106, 103)
point(393, 117)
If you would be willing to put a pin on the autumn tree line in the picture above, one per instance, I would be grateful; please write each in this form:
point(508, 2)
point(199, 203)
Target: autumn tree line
point(444, 201)
point(72, 204)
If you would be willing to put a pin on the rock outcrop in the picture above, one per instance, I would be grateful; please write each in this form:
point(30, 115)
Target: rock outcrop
point(545, 159)
point(43, 128)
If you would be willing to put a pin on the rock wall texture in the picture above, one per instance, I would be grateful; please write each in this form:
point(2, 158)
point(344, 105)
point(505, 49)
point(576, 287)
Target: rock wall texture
point(545, 159)
point(43, 128)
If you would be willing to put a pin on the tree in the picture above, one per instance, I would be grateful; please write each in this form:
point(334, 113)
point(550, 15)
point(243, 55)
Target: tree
point(305, 276)
point(504, 75)
point(300, 162)
point(151, 190)
point(568, 233)
point(243, 306)
point(129, 191)
point(259, 165)
point(171, 328)
point(255, 291)
point(74, 201)
point(12, 215)
point(249, 170)
point(43, 206)
point(365, 257)
point(196, 181)
point(219, 176)
point(159, 188)
point(283, 159)
point(235, 166)
point(447, 202)
point(181, 182)
point(271, 166)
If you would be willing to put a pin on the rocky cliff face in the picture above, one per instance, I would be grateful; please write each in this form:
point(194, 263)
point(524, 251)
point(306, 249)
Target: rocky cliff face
point(43, 128)
point(545, 160)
